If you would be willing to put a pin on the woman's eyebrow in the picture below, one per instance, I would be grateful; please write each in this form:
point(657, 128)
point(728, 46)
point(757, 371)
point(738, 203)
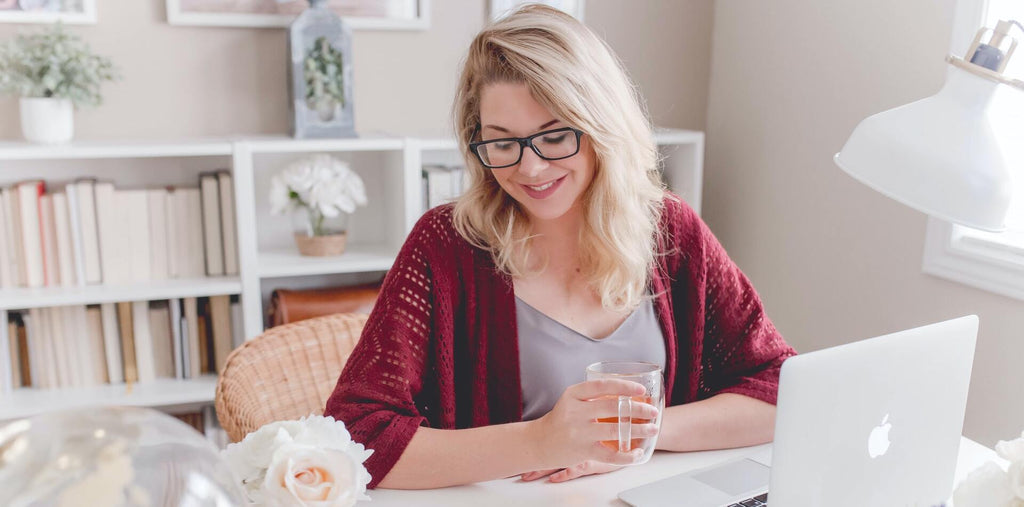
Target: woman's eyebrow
point(503, 129)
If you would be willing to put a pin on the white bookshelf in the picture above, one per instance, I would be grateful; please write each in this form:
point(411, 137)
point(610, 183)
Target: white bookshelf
point(160, 393)
point(390, 166)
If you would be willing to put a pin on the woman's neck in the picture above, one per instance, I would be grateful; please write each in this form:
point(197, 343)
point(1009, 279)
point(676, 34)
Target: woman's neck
point(557, 239)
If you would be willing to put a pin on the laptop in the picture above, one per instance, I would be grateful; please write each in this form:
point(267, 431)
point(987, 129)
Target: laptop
point(875, 422)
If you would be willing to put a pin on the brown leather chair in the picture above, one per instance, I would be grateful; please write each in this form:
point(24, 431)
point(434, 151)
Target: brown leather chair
point(288, 306)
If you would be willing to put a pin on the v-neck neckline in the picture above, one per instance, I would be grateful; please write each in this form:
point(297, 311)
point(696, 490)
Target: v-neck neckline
point(611, 335)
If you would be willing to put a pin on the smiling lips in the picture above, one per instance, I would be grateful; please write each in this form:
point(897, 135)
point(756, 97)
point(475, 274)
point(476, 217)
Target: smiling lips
point(543, 191)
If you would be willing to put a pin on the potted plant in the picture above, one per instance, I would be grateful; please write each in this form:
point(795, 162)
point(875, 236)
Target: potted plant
point(320, 192)
point(52, 71)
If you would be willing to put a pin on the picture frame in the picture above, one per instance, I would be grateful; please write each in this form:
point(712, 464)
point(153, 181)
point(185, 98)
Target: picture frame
point(69, 12)
point(499, 8)
point(357, 14)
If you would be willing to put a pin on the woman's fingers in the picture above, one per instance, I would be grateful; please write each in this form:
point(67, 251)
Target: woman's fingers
point(593, 389)
point(610, 431)
point(537, 474)
point(609, 407)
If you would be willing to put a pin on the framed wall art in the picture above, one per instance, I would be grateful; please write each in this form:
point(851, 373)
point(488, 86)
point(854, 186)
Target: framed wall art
point(71, 12)
point(358, 14)
point(500, 8)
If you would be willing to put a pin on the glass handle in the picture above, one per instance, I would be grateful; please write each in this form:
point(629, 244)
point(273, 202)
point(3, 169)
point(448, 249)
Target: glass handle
point(625, 423)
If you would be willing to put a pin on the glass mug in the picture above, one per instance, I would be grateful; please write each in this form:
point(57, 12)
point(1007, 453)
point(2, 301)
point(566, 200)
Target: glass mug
point(646, 374)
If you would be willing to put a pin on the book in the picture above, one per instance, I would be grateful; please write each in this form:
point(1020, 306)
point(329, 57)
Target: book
point(76, 334)
point(158, 244)
point(110, 227)
point(212, 237)
point(179, 348)
point(174, 254)
point(94, 330)
point(48, 233)
point(31, 232)
point(6, 277)
point(65, 245)
point(220, 325)
point(191, 307)
point(205, 335)
point(36, 348)
point(136, 243)
point(54, 328)
point(14, 354)
point(160, 330)
point(189, 237)
point(15, 252)
point(237, 323)
point(225, 183)
point(126, 330)
point(21, 336)
point(112, 343)
point(144, 360)
point(87, 222)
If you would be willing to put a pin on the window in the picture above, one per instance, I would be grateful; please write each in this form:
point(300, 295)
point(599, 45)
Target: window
point(991, 261)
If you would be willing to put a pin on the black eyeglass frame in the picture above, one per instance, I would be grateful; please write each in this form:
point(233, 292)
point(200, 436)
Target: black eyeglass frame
point(523, 143)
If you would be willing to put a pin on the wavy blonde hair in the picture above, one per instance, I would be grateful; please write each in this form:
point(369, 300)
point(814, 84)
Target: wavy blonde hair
point(577, 77)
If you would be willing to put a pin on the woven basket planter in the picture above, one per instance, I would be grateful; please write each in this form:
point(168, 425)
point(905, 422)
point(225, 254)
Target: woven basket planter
point(321, 246)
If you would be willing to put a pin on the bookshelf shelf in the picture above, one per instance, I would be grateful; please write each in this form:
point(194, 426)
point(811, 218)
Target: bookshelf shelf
point(26, 402)
point(99, 149)
point(22, 298)
point(356, 259)
point(289, 145)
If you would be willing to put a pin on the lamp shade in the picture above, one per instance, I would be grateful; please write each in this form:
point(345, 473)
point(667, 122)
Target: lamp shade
point(940, 155)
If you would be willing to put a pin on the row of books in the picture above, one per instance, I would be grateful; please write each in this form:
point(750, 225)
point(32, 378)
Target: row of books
point(443, 184)
point(89, 232)
point(75, 346)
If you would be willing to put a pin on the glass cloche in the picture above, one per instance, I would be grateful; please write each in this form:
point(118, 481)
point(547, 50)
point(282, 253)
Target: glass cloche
point(111, 456)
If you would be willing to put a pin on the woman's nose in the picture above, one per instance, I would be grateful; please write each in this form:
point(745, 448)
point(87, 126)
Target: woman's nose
point(531, 164)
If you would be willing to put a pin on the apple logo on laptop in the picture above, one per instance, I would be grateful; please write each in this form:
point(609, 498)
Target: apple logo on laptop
point(878, 442)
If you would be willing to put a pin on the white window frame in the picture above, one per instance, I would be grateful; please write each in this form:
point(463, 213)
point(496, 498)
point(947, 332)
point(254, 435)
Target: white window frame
point(983, 263)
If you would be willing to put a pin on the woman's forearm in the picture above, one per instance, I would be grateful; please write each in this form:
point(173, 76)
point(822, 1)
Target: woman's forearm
point(440, 458)
point(722, 421)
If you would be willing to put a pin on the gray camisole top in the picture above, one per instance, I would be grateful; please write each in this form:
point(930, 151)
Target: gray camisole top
point(553, 356)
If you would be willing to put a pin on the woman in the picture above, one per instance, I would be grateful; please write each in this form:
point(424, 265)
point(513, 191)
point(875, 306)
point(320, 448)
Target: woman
point(467, 368)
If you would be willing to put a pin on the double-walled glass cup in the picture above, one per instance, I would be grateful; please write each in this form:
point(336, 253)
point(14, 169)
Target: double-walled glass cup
point(646, 374)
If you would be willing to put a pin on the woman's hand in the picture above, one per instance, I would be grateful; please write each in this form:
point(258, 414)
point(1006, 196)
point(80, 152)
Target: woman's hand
point(570, 434)
point(574, 472)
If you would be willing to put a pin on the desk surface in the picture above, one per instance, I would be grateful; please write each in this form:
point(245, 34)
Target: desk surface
point(604, 489)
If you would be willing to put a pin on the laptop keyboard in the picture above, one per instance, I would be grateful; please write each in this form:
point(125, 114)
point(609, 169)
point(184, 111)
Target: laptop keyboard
point(757, 501)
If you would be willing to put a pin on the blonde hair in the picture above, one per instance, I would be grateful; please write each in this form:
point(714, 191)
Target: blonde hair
point(574, 74)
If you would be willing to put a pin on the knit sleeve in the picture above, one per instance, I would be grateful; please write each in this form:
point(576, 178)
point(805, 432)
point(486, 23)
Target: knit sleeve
point(743, 352)
point(377, 393)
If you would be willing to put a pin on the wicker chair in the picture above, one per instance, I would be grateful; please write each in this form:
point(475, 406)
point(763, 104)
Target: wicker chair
point(286, 373)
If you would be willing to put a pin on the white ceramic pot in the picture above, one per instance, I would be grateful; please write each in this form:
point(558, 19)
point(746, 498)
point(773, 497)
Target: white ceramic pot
point(47, 120)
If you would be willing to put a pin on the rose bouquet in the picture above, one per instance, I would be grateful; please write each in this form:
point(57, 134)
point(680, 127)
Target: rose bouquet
point(990, 485)
point(309, 462)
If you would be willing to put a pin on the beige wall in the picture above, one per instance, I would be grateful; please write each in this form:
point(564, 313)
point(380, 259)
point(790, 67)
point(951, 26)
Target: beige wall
point(195, 81)
point(834, 260)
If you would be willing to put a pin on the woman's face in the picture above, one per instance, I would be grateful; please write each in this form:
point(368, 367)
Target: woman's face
point(546, 189)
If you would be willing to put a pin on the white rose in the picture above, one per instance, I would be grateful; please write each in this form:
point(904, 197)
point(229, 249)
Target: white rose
point(1012, 451)
point(304, 475)
point(250, 458)
point(299, 176)
point(1016, 474)
point(988, 486)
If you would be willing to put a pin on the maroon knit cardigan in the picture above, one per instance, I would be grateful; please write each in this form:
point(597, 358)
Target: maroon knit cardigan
point(440, 347)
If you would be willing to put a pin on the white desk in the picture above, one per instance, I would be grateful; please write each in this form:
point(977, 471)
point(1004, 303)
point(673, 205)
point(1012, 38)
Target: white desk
point(601, 490)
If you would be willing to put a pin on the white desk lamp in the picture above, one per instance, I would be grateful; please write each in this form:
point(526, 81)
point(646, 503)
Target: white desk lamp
point(942, 155)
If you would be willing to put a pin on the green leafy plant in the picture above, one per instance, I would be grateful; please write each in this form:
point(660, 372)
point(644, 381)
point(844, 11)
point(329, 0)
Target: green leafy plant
point(53, 64)
point(323, 73)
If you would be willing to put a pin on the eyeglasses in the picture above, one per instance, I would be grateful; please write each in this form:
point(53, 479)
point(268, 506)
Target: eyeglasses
point(508, 151)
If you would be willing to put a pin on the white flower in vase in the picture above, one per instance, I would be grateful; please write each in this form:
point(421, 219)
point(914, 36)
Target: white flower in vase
point(992, 486)
point(325, 191)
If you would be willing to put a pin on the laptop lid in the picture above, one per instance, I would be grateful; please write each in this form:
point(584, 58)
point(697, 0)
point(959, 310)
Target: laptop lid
point(874, 422)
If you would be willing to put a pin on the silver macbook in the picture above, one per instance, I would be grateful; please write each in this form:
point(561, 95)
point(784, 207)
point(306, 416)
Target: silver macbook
point(875, 422)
